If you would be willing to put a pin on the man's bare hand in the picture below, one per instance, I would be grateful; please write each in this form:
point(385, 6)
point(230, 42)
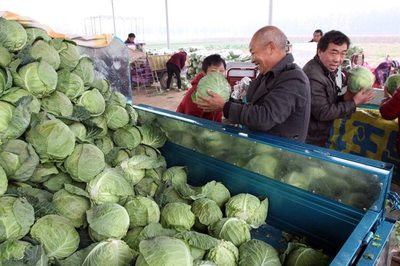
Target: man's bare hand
point(363, 96)
point(212, 103)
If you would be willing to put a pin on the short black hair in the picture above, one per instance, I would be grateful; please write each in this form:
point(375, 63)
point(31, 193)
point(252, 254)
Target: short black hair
point(319, 31)
point(212, 60)
point(333, 36)
point(131, 35)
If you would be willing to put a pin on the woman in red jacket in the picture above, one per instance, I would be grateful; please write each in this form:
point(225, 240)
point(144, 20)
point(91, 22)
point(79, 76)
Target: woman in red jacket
point(390, 109)
point(174, 66)
point(212, 63)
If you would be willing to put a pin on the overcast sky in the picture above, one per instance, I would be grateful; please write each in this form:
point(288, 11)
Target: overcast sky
point(210, 19)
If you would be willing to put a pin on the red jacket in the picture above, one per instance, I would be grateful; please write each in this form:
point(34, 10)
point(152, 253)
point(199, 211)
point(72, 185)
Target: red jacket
point(390, 109)
point(187, 106)
point(178, 59)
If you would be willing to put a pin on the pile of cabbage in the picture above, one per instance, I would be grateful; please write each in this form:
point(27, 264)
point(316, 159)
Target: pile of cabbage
point(82, 180)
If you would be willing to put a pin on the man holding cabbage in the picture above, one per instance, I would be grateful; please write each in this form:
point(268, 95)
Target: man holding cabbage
point(278, 100)
point(326, 104)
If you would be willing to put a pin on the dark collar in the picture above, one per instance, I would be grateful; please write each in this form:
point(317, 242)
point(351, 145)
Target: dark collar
point(280, 66)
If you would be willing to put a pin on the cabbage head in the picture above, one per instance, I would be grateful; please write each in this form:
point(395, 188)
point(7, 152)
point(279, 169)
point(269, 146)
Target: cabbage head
point(18, 159)
point(142, 211)
point(71, 205)
point(298, 254)
point(109, 186)
point(105, 144)
point(116, 116)
point(248, 208)
point(35, 33)
point(57, 104)
point(164, 250)
point(39, 78)
point(68, 51)
point(206, 211)
point(118, 99)
point(5, 80)
point(108, 220)
point(392, 83)
point(226, 253)
point(217, 192)
point(85, 70)
point(360, 78)
point(79, 130)
point(16, 252)
point(257, 252)
point(93, 101)
point(3, 181)
point(263, 164)
point(14, 120)
point(57, 182)
point(85, 162)
point(127, 137)
point(215, 82)
point(15, 94)
point(5, 57)
point(178, 216)
point(43, 172)
point(70, 84)
point(16, 217)
point(12, 35)
point(58, 237)
point(231, 229)
point(52, 140)
point(43, 51)
point(152, 135)
point(109, 252)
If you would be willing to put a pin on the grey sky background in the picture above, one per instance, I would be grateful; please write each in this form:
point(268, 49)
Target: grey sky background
point(211, 19)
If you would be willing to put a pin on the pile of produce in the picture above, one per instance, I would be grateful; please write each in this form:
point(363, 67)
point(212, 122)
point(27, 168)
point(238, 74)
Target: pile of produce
point(82, 180)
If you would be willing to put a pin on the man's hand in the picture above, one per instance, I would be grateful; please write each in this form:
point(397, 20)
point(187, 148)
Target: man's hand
point(363, 96)
point(212, 103)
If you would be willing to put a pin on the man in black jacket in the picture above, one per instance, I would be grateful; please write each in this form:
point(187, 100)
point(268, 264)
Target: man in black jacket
point(326, 105)
point(278, 100)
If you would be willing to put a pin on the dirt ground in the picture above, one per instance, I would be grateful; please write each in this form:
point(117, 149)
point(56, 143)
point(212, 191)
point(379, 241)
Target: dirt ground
point(166, 100)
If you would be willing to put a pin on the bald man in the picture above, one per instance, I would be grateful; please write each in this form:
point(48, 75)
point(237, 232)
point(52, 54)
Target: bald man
point(278, 100)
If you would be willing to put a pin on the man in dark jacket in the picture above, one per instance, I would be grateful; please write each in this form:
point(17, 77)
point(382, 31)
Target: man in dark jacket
point(278, 100)
point(326, 105)
point(174, 66)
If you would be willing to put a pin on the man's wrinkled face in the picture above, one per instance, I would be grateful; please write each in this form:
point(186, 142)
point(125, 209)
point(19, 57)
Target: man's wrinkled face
point(260, 54)
point(333, 56)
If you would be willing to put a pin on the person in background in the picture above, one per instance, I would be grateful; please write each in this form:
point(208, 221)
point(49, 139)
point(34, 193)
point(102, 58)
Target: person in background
point(130, 39)
point(277, 102)
point(390, 109)
point(174, 66)
point(212, 63)
point(383, 71)
point(317, 35)
point(326, 104)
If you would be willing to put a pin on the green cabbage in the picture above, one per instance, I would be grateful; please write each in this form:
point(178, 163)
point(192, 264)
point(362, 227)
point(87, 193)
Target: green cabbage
point(142, 211)
point(257, 252)
point(58, 237)
point(225, 253)
point(85, 162)
point(392, 83)
point(108, 220)
point(12, 35)
point(52, 140)
point(15, 94)
point(164, 250)
point(215, 82)
point(36, 33)
point(231, 229)
point(109, 252)
point(5, 57)
point(3, 181)
point(16, 217)
point(43, 51)
point(93, 101)
point(57, 104)
point(70, 84)
point(360, 78)
point(85, 70)
point(178, 216)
